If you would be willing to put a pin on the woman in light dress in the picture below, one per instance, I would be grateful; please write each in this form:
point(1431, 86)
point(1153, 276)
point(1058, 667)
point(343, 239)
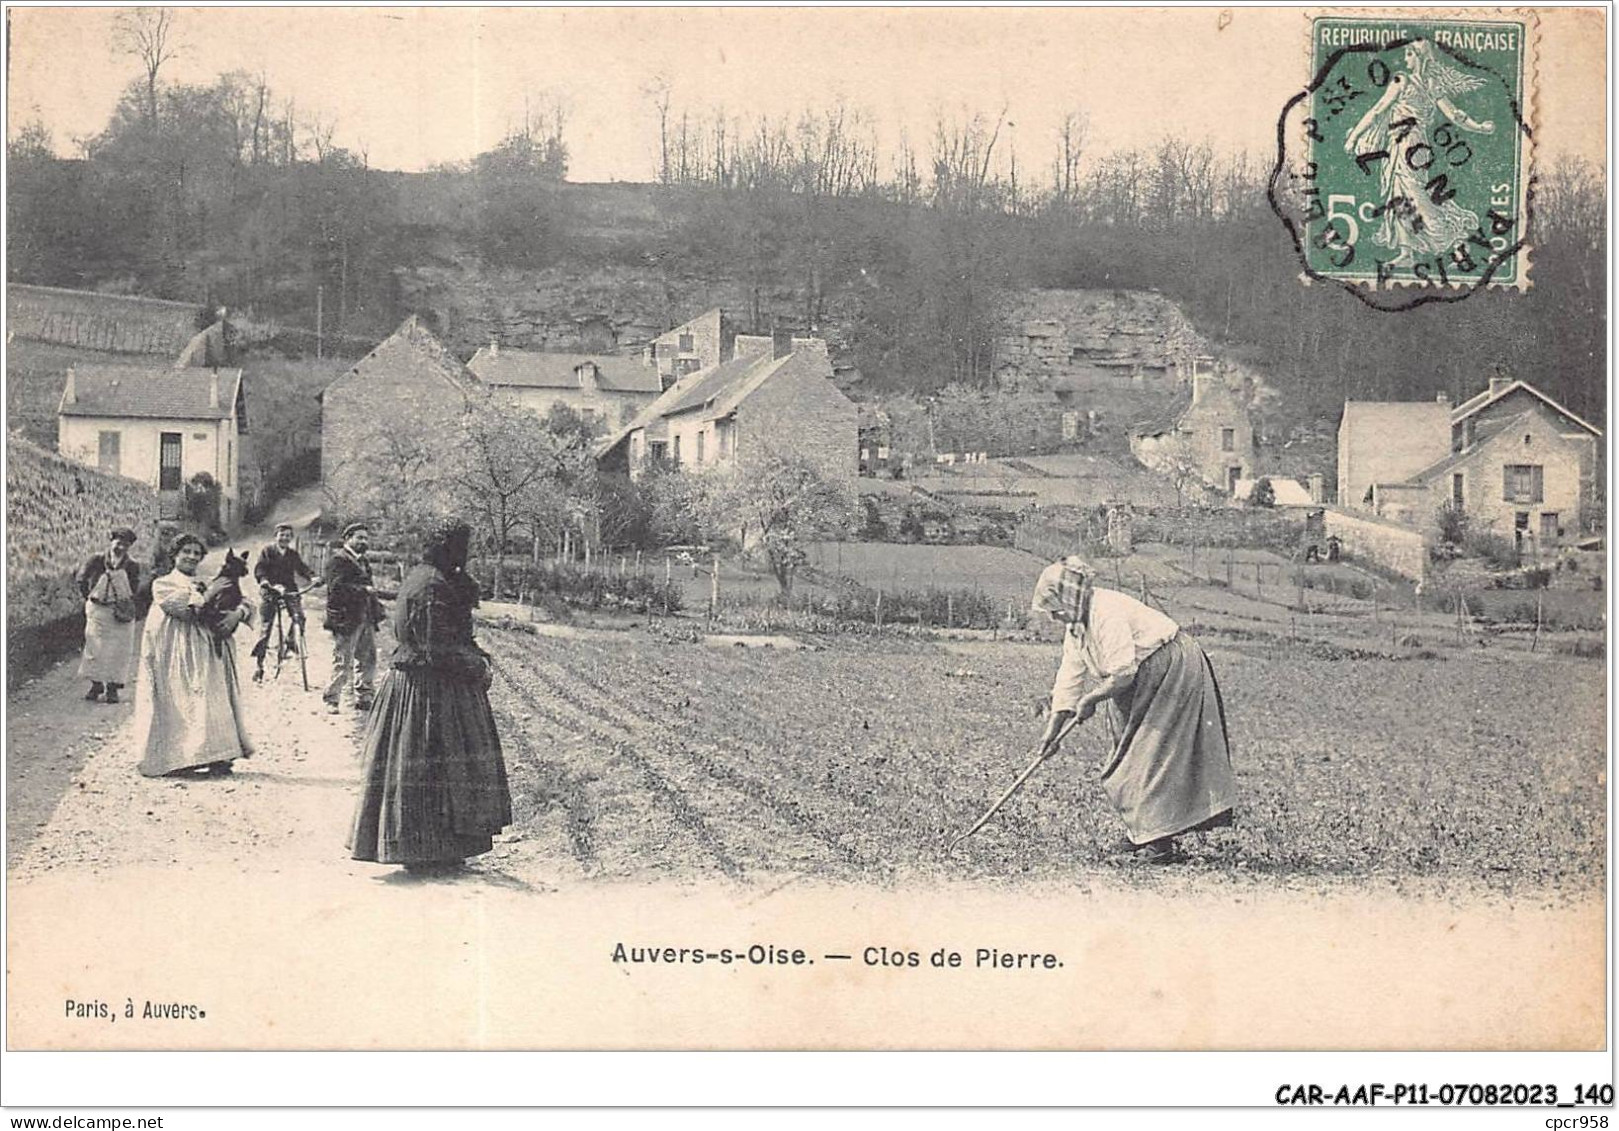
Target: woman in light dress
point(110, 584)
point(188, 710)
point(1170, 769)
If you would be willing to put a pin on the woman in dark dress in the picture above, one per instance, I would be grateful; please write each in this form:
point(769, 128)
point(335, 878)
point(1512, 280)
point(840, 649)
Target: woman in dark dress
point(435, 787)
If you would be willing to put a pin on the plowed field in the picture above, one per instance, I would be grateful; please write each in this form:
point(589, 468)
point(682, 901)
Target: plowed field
point(858, 760)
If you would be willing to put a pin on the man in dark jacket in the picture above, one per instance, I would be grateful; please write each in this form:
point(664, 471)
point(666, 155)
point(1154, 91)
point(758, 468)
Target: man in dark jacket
point(277, 571)
point(352, 615)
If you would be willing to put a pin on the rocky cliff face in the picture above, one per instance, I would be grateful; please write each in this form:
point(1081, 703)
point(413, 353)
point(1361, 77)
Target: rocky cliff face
point(610, 308)
point(1082, 339)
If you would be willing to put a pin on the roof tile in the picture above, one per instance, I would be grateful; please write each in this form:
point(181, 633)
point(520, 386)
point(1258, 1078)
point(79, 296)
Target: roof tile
point(151, 392)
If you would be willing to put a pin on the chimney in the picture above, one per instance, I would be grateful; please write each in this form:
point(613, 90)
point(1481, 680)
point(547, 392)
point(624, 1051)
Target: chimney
point(781, 343)
point(494, 346)
point(1499, 383)
point(213, 389)
point(1442, 398)
point(70, 395)
point(1318, 487)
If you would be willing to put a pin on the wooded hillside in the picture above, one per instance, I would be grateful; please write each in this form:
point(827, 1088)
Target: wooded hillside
point(204, 194)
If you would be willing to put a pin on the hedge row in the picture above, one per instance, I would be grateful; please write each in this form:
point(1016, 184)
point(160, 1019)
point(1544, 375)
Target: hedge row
point(583, 588)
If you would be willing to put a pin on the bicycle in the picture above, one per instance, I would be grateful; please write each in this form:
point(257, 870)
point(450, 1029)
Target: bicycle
point(296, 643)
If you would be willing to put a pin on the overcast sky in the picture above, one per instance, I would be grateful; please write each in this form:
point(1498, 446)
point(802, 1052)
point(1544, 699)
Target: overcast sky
point(412, 87)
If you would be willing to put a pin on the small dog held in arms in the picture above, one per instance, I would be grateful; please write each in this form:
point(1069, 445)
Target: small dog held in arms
point(223, 595)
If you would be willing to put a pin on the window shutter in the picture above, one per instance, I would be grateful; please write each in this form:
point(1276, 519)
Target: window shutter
point(1538, 483)
point(1506, 483)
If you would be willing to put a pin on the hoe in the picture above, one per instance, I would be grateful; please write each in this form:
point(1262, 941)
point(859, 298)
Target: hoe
point(1045, 752)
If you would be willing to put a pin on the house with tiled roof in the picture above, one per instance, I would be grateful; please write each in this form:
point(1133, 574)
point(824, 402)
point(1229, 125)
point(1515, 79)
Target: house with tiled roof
point(692, 347)
point(1505, 398)
point(767, 399)
point(1213, 434)
point(1516, 462)
point(605, 389)
point(158, 425)
point(410, 376)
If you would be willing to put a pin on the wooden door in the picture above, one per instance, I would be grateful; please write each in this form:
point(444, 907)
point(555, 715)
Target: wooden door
point(168, 477)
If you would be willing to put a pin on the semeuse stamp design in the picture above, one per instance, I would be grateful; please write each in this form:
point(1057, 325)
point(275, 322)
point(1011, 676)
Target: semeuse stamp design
point(1403, 169)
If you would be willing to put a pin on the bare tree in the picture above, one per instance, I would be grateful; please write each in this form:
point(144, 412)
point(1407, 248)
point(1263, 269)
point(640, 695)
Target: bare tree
point(1176, 461)
point(657, 89)
point(149, 34)
point(1070, 145)
point(318, 130)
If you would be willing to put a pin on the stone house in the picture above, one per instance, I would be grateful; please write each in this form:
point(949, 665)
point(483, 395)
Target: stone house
point(1381, 442)
point(1519, 478)
point(605, 389)
point(1214, 434)
point(159, 426)
point(410, 376)
point(1520, 465)
point(763, 401)
point(1505, 398)
point(704, 342)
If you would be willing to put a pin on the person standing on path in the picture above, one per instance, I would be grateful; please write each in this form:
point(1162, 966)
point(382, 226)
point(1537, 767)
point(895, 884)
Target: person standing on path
point(352, 615)
point(435, 789)
point(188, 707)
point(110, 584)
point(1170, 770)
point(277, 572)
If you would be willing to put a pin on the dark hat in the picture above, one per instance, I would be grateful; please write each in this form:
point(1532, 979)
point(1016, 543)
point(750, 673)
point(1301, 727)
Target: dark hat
point(445, 545)
point(351, 528)
point(123, 534)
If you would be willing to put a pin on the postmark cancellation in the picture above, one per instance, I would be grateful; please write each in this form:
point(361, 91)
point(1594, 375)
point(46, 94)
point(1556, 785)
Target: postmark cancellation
point(1404, 168)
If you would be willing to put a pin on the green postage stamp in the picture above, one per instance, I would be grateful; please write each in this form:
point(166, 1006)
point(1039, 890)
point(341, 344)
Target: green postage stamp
point(1404, 166)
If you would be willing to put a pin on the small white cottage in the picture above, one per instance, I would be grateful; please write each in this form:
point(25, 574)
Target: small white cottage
point(160, 426)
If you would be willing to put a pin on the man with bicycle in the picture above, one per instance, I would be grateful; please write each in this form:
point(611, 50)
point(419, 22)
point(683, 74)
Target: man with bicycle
point(277, 573)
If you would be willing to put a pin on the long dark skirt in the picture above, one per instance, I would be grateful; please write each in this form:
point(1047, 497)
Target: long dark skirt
point(1171, 770)
point(435, 780)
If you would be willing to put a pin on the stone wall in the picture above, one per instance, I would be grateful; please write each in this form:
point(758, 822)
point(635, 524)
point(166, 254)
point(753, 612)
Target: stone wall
point(58, 513)
point(88, 320)
point(1392, 546)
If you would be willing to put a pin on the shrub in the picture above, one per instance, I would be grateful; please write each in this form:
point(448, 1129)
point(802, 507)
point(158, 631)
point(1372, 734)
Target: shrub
point(854, 604)
point(1454, 523)
point(1499, 552)
point(592, 588)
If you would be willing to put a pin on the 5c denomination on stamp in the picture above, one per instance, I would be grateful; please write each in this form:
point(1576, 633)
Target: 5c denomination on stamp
point(1403, 169)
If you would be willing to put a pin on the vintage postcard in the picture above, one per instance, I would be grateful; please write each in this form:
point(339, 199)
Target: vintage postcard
point(1050, 530)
